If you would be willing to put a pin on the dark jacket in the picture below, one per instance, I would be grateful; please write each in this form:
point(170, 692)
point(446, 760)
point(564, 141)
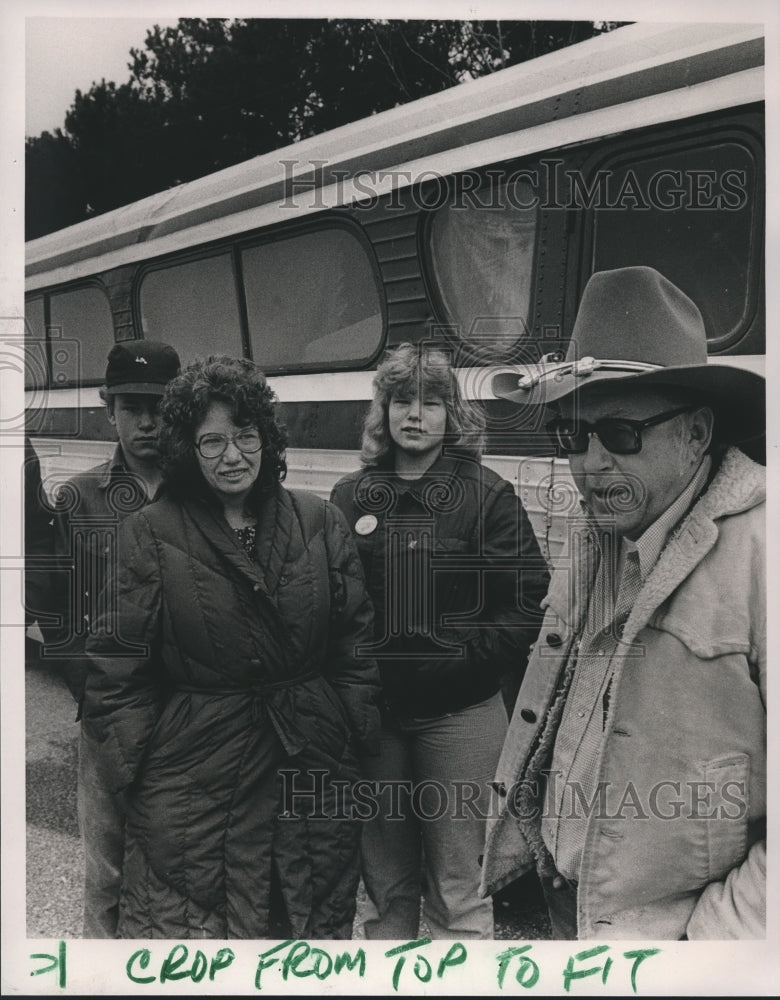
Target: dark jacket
point(456, 577)
point(224, 673)
point(38, 540)
point(89, 509)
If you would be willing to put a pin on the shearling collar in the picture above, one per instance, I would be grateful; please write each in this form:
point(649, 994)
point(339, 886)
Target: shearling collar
point(738, 485)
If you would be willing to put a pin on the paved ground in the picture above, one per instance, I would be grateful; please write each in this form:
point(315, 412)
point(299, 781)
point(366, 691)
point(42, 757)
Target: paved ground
point(55, 861)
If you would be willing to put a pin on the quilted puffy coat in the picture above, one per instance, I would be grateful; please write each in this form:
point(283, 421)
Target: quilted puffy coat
point(228, 691)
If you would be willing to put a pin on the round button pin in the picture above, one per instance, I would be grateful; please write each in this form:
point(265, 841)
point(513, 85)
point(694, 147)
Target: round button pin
point(366, 524)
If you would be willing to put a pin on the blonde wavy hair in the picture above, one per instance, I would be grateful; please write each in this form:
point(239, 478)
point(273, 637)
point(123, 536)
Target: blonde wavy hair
point(414, 370)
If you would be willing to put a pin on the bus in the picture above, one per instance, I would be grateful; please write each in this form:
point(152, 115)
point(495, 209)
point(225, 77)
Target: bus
point(472, 218)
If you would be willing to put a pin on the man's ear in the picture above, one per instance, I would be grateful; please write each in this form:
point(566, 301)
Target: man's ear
point(700, 427)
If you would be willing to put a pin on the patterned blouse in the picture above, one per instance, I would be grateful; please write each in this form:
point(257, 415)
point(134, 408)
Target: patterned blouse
point(246, 538)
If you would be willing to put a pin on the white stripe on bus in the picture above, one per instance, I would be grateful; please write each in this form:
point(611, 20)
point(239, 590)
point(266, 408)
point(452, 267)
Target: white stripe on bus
point(317, 470)
point(335, 387)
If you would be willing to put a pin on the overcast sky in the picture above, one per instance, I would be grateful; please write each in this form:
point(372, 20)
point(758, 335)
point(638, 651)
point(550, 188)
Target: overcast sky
point(65, 54)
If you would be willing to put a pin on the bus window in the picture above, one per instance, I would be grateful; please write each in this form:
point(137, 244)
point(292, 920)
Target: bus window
point(706, 244)
point(481, 257)
point(35, 366)
point(193, 306)
point(81, 331)
point(312, 300)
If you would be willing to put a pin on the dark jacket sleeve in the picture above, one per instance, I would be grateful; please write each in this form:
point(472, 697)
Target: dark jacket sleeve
point(354, 675)
point(515, 579)
point(123, 696)
point(342, 494)
point(38, 540)
point(68, 596)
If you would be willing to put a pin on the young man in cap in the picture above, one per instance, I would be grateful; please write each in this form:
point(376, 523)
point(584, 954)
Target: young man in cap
point(90, 507)
point(634, 771)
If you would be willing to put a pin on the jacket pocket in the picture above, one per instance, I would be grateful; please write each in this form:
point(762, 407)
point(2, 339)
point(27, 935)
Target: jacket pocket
point(713, 630)
point(726, 782)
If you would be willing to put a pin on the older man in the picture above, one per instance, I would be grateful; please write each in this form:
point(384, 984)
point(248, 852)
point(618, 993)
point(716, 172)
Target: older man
point(634, 772)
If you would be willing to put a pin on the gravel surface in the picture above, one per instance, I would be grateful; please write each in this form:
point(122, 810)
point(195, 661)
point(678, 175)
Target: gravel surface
point(55, 859)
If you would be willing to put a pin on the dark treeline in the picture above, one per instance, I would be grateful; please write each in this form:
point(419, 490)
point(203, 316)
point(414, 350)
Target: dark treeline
point(207, 94)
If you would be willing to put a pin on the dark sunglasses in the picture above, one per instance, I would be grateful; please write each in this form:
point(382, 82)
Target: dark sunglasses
point(618, 435)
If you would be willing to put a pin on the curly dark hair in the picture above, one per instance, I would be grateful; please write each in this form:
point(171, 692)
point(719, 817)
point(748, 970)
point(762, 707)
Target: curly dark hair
point(241, 385)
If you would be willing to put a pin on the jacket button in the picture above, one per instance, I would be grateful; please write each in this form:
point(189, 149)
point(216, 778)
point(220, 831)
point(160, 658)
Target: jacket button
point(480, 860)
point(256, 587)
point(282, 580)
point(528, 715)
point(554, 639)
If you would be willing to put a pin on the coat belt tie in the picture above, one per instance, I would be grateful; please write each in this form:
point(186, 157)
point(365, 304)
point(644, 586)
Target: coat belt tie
point(273, 699)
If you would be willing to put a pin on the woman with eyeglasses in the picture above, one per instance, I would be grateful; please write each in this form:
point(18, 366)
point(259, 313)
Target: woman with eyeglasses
point(225, 685)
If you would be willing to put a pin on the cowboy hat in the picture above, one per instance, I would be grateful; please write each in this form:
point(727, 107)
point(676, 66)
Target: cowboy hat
point(635, 328)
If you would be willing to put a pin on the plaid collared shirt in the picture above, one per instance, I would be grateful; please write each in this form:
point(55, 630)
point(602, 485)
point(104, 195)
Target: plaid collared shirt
point(580, 738)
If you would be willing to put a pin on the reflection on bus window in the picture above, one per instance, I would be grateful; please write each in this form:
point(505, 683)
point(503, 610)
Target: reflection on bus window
point(193, 307)
point(706, 244)
point(481, 256)
point(312, 300)
point(81, 331)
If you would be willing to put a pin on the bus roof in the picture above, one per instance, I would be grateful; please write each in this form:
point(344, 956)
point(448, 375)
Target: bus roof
point(618, 80)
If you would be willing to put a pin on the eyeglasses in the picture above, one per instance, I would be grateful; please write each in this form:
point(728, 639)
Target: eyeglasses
point(213, 445)
point(618, 435)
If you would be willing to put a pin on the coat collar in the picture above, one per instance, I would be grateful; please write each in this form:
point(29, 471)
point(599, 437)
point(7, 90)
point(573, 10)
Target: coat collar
point(273, 538)
point(115, 466)
point(379, 486)
point(274, 533)
point(571, 582)
point(738, 485)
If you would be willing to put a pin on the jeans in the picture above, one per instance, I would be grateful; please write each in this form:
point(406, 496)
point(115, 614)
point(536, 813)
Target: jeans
point(434, 796)
point(102, 824)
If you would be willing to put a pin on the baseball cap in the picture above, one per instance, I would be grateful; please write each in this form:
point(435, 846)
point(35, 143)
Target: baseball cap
point(141, 366)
